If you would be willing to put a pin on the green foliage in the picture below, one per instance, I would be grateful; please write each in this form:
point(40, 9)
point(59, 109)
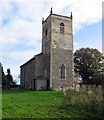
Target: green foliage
point(88, 62)
point(3, 77)
point(9, 76)
point(90, 100)
point(7, 80)
point(19, 103)
point(14, 83)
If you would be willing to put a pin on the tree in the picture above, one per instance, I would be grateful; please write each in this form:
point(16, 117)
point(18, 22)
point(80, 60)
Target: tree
point(100, 77)
point(88, 63)
point(9, 79)
point(3, 77)
point(14, 84)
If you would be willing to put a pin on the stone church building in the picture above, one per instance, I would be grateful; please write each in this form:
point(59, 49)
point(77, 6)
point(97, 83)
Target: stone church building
point(53, 67)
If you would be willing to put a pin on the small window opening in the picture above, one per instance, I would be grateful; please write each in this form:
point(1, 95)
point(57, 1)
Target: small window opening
point(62, 28)
point(62, 72)
point(46, 32)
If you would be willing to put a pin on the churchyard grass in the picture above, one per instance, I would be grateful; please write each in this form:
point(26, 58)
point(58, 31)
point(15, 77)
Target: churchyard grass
point(19, 103)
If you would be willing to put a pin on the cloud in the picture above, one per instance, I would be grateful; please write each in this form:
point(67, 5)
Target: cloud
point(14, 60)
point(21, 28)
point(25, 17)
point(85, 12)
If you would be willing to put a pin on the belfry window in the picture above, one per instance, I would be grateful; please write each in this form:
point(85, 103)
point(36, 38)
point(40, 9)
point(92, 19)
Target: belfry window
point(62, 27)
point(62, 72)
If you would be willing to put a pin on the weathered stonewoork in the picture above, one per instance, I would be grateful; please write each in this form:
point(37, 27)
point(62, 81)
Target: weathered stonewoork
point(53, 68)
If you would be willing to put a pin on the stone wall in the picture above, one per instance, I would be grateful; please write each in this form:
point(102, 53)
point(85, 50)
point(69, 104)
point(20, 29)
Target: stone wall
point(41, 84)
point(39, 66)
point(61, 51)
point(28, 73)
point(59, 57)
point(32, 71)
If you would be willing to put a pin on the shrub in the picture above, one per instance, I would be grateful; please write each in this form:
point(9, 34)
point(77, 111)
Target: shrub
point(90, 100)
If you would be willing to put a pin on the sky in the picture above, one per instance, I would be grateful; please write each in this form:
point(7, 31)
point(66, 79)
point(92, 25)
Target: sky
point(21, 27)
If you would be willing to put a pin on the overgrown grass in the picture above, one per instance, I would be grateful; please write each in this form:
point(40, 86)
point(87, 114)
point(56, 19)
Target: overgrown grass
point(18, 103)
point(91, 100)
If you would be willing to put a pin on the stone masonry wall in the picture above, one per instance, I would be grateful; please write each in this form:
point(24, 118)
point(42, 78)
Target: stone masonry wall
point(61, 51)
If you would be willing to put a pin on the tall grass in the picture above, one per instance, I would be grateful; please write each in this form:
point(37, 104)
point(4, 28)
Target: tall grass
point(19, 103)
point(89, 99)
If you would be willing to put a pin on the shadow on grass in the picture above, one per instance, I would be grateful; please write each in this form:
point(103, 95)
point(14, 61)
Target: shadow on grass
point(14, 90)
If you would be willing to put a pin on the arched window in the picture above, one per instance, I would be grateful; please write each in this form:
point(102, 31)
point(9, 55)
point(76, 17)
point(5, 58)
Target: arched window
point(62, 27)
point(62, 71)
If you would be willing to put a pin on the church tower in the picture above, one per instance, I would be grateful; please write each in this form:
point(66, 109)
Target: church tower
point(57, 49)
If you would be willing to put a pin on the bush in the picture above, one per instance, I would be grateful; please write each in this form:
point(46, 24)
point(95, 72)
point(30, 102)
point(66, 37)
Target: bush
point(90, 100)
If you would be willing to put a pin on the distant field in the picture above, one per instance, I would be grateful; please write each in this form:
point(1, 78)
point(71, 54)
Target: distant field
point(18, 103)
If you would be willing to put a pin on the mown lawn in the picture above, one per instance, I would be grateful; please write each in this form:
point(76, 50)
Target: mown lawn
point(19, 103)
